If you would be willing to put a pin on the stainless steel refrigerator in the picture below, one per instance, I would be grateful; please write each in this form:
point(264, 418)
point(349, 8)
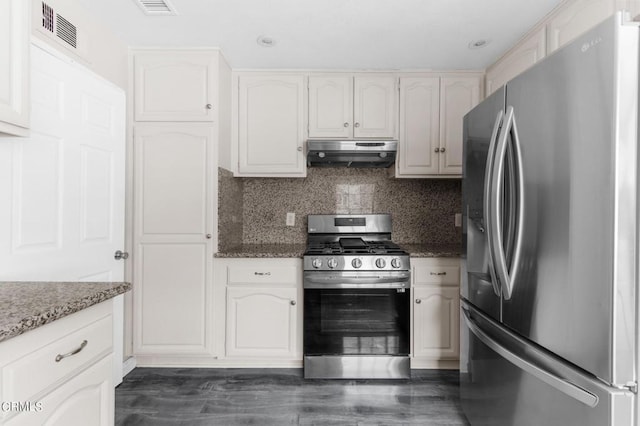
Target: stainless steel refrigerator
point(549, 295)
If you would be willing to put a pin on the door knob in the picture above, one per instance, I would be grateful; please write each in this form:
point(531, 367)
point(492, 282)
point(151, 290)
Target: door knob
point(121, 255)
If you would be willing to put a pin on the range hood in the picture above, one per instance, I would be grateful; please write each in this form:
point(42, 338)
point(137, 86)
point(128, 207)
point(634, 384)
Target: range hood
point(353, 153)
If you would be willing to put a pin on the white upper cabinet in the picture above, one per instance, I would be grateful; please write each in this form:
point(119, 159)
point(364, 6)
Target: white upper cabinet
point(519, 59)
point(346, 106)
point(175, 85)
point(271, 125)
point(419, 127)
point(458, 95)
point(331, 107)
point(431, 112)
point(14, 66)
point(578, 16)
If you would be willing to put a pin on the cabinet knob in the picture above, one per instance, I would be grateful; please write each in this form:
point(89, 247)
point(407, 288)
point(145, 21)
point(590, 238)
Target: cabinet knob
point(208, 236)
point(437, 150)
point(357, 125)
point(418, 301)
point(209, 106)
point(299, 148)
point(441, 149)
point(293, 303)
point(346, 124)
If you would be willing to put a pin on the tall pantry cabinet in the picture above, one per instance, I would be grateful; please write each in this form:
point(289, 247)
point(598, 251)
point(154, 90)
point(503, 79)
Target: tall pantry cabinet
point(181, 110)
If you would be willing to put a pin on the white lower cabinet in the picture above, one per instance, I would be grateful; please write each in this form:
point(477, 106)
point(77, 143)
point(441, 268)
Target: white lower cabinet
point(263, 315)
point(261, 322)
point(435, 319)
point(74, 390)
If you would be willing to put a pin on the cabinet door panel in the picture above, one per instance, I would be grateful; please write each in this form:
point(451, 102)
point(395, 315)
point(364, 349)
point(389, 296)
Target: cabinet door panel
point(524, 56)
point(576, 18)
point(271, 125)
point(457, 96)
point(175, 87)
point(330, 107)
point(173, 214)
point(375, 109)
point(261, 322)
point(14, 66)
point(419, 126)
point(436, 320)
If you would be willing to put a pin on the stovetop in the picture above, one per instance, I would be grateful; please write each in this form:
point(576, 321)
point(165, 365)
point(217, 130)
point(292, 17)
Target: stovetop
point(347, 246)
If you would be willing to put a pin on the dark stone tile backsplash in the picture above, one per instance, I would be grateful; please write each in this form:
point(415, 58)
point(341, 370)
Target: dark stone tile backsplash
point(253, 210)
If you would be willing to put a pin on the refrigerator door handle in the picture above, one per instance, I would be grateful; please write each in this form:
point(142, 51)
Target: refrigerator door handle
point(487, 213)
point(558, 383)
point(505, 276)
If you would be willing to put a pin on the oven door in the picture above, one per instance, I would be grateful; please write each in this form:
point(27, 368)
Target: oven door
point(356, 328)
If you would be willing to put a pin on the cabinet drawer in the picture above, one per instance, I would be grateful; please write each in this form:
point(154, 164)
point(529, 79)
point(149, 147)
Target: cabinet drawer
point(39, 370)
point(281, 275)
point(434, 274)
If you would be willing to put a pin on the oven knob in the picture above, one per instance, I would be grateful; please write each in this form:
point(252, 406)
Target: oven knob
point(332, 263)
point(395, 262)
point(380, 263)
point(356, 263)
point(316, 263)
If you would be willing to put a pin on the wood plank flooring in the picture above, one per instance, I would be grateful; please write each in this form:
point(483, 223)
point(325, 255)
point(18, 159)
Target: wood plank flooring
point(228, 397)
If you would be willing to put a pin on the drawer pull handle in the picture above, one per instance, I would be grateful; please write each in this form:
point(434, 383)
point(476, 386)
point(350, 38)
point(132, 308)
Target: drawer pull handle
point(262, 273)
point(438, 273)
point(73, 352)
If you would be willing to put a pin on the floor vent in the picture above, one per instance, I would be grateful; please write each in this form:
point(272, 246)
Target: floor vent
point(157, 7)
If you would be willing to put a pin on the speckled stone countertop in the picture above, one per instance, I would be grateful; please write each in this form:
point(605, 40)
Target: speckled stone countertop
point(27, 305)
point(297, 250)
point(432, 250)
point(264, 250)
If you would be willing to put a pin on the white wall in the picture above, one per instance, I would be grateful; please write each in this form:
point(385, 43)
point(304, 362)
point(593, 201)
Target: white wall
point(98, 48)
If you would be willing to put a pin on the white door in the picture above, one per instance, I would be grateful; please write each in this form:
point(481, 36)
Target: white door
point(63, 186)
point(458, 95)
point(436, 319)
point(271, 125)
point(173, 237)
point(375, 107)
point(330, 107)
point(419, 126)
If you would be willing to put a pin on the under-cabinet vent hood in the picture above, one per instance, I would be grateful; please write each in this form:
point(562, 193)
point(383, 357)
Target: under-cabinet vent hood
point(355, 153)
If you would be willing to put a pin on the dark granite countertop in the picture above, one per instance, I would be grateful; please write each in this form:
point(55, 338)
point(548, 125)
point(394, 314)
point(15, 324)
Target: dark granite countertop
point(297, 250)
point(264, 250)
point(432, 250)
point(27, 305)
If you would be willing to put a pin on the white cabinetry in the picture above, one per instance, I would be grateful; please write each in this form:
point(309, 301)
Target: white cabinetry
point(524, 55)
point(77, 389)
point(173, 244)
point(575, 18)
point(347, 107)
point(15, 32)
point(271, 124)
point(436, 306)
point(182, 100)
point(175, 85)
point(431, 114)
point(264, 310)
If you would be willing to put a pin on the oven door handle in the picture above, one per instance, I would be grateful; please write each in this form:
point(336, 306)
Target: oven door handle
point(314, 280)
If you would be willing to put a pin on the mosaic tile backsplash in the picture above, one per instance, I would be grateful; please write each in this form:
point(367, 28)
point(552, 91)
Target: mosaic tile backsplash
point(253, 210)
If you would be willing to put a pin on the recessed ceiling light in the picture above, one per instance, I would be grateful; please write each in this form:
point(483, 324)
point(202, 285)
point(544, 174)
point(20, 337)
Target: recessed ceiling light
point(265, 41)
point(479, 44)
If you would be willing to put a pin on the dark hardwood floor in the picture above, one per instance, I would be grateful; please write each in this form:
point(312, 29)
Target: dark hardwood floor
point(192, 397)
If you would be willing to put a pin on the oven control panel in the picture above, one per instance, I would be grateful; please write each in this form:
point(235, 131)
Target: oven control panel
point(356, 263)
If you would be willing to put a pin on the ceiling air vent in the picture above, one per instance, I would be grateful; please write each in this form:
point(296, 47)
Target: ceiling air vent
point(157, 7)
point(47, 17)
point(66, 31)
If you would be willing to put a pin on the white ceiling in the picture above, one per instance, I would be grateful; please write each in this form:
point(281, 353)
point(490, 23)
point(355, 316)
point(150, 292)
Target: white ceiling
point(333, 34)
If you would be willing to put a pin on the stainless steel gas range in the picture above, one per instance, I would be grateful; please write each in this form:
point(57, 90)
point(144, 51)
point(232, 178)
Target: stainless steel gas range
point(356, 299)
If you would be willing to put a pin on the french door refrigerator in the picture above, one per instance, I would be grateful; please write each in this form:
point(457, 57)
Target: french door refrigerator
point(549, 295)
